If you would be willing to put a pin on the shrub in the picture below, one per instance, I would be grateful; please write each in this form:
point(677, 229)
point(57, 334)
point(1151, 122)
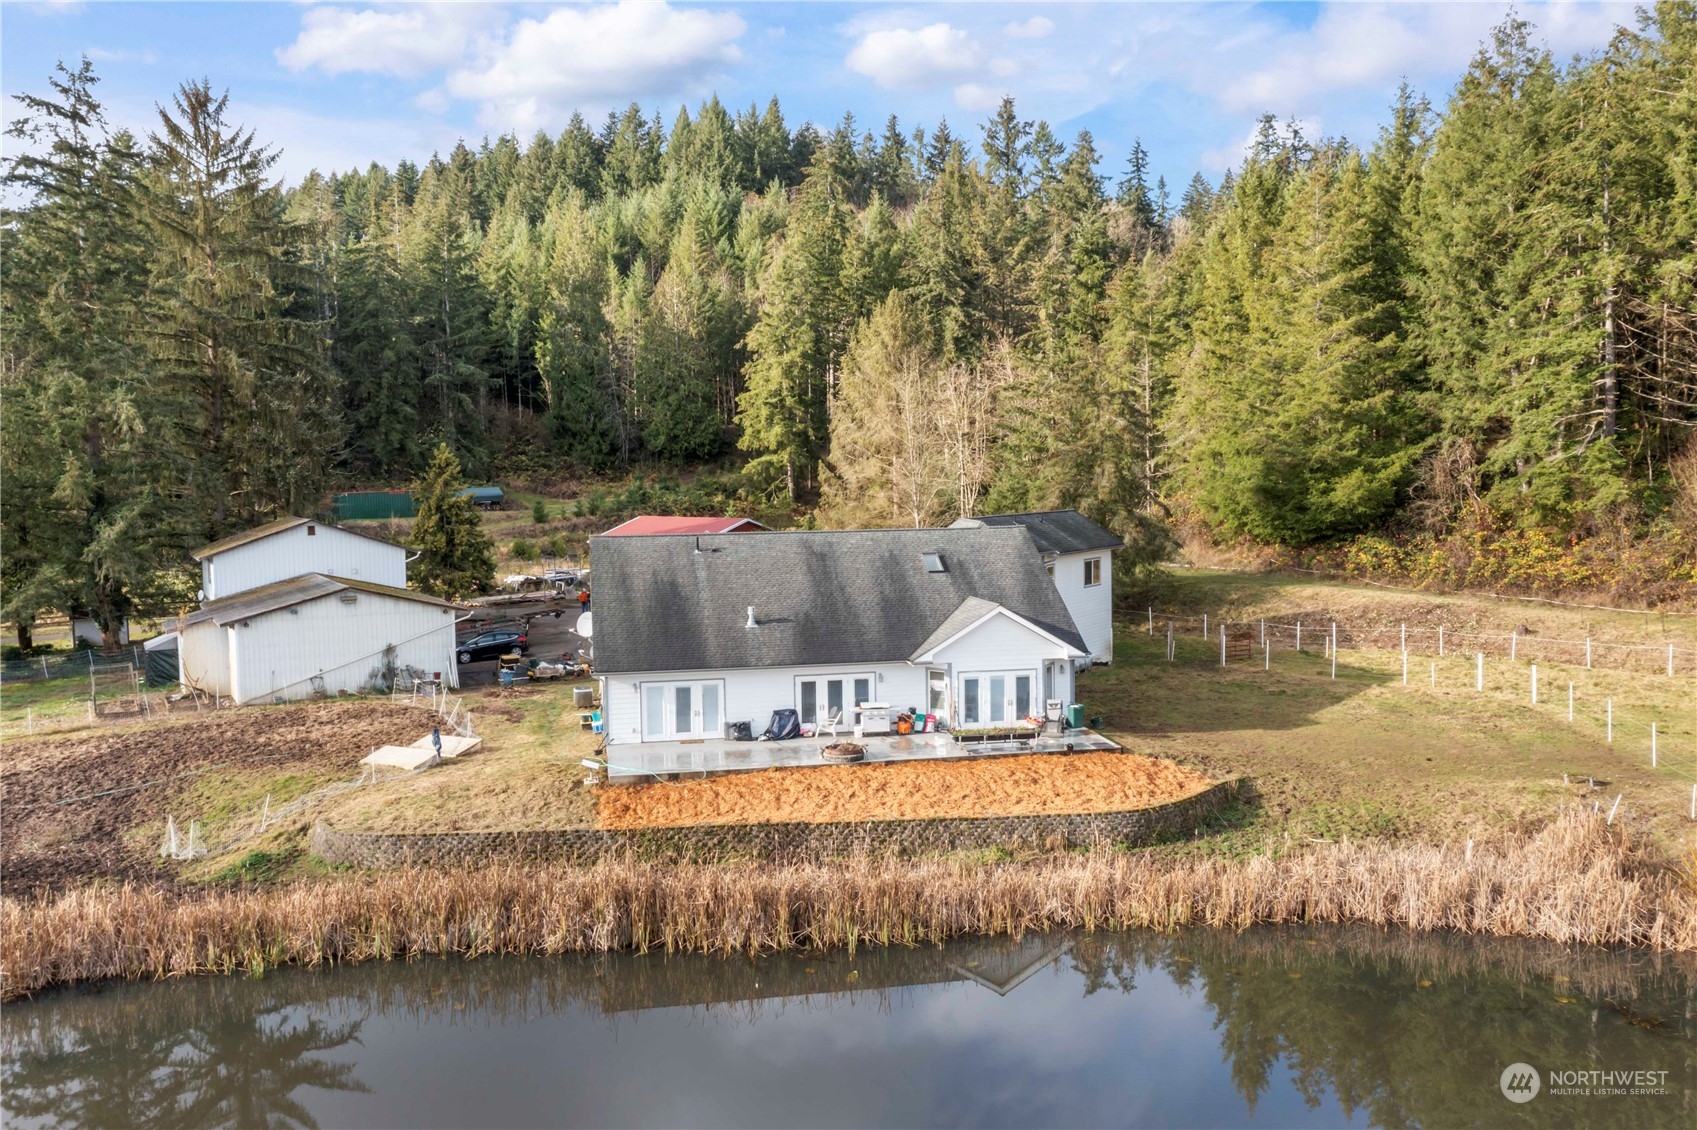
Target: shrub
point(524, 549)
point(539, 512)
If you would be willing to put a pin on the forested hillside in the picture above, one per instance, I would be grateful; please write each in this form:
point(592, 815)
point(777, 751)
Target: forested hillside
point(1464, 350)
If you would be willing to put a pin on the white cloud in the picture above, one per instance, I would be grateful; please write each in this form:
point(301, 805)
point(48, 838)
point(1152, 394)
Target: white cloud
point(978, 97)
point(402, 41)
point(1037, 27)
point(598, 56)
point(897, 58)
point(1356, 46)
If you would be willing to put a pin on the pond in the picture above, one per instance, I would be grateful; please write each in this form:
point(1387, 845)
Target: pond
point(1271, 1027)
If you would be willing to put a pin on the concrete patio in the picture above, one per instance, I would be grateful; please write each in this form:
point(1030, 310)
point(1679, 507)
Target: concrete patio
point(632, 764)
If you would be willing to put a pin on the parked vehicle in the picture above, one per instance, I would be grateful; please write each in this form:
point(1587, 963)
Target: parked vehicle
point(492, 645)
point(567, 577)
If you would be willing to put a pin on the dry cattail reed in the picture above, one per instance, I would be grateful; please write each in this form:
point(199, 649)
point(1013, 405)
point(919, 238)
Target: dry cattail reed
point(1576, 881)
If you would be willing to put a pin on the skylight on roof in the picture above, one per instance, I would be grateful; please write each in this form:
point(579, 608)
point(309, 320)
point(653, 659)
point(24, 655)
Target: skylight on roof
point(934, 563)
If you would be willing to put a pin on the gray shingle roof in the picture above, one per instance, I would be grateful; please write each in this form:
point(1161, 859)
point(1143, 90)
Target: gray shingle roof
point(286, 594)
point(819, 597)
point(1054, 531)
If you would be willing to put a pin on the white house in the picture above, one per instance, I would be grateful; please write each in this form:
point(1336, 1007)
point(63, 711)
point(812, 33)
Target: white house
point(692, 633)
point(292, 547)
point(297, 608)
point(312, 635)
point(1079, 555)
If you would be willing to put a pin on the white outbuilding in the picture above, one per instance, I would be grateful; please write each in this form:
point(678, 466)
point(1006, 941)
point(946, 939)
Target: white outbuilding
point(298, 608)
point(291, 547)
point(315, 635)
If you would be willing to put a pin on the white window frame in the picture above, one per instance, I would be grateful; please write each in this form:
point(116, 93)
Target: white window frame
point(1092, 565)
point(698, 721)
point(821, 704)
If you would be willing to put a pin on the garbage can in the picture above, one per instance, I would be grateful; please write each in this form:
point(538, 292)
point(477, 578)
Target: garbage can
point(583, 698)
point(1075, 716)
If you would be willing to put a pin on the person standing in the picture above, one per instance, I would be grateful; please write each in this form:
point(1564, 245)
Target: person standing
point(583, 599)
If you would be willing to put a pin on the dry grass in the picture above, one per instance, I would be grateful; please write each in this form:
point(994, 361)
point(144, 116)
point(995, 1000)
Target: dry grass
point(914, 790)
point(526, 775)
point(1576, 881)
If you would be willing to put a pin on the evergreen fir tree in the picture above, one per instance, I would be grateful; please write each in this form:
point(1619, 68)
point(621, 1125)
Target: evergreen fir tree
point(456, 558)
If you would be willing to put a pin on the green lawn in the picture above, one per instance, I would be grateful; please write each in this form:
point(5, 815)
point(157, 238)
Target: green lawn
point(1364, 755)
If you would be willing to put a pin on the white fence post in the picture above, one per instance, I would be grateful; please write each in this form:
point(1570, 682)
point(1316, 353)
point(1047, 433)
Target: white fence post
point(1513, 646)
point(1587, 653)
point(1434, 676)
point(1266, 656)
point(1151, 620)
point(1222, 645)
point(1204, 625)
point(1299, 635)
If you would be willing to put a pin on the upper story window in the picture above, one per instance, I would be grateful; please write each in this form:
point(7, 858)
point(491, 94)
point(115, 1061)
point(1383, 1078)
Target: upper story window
point(1092, 571)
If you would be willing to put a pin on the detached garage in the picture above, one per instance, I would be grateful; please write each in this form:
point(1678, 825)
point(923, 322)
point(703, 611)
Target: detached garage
point(315, 634)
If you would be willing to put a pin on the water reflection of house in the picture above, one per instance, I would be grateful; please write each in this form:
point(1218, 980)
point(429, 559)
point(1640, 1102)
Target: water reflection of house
point(657, 981)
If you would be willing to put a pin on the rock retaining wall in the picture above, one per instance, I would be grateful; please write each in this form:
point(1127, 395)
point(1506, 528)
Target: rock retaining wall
point(1135, 827)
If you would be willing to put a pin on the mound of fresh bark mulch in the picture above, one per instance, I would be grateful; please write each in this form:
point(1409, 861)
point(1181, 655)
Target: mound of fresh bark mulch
point(910, 790)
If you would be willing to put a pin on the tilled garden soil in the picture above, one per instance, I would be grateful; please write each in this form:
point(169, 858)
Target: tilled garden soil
point(912, 790)
point(45, 844)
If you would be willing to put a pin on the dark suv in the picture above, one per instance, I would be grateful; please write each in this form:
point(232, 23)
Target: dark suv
point(492, 645)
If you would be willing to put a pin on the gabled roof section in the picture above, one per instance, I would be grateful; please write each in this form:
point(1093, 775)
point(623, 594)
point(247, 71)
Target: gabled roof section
point(819, 597)
point(972, 612)
point(1054, 531)
point(286, 594)
point(259, 533)
point(681, 524)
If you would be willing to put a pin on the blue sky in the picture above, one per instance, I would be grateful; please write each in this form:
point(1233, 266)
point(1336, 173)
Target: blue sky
point(338, 85)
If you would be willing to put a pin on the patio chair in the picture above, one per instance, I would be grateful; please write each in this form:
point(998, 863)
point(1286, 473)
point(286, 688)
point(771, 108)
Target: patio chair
point(831, 722)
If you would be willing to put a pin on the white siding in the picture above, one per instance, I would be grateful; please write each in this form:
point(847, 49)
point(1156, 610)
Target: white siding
point(1003, 645)
point(278, 655)
point(752, 694)
point(203, 658)
point(294, 552)
point(1092, 608)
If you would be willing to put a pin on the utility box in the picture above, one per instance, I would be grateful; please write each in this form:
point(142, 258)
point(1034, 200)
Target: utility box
point(1075, 716)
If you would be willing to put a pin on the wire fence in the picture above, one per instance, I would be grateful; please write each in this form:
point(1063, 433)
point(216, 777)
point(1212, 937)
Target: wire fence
point(1663, 738)
point(68, 666)
point(1669, 657)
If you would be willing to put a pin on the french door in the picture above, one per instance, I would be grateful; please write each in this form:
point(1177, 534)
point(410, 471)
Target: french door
point(817, 697)
point(682, 711)
point(995, 698)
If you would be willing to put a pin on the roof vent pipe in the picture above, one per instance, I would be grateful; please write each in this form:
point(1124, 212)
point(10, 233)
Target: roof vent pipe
point(751, 623)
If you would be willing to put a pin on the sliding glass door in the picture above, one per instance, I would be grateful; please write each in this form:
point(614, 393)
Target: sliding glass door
point(682, 711)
